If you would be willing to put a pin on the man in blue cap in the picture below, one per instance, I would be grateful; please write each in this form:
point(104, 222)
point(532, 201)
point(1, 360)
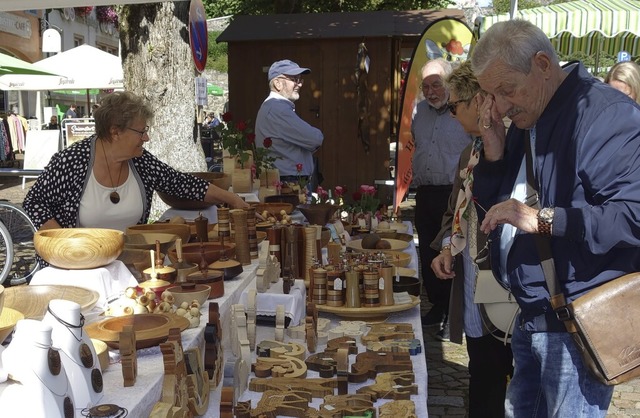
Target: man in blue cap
point(293, 141)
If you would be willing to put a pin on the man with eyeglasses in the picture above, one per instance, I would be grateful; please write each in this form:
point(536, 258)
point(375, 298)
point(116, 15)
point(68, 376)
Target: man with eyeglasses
point(293, 140)
point(439, 139)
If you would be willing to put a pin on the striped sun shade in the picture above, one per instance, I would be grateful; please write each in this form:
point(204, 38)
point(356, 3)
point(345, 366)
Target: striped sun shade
point(585, 25)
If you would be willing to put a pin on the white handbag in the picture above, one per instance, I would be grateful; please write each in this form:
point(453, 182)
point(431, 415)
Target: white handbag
point(498, 307)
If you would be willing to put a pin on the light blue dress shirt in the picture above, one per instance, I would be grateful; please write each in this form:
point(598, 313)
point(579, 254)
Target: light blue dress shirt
point(439, 140)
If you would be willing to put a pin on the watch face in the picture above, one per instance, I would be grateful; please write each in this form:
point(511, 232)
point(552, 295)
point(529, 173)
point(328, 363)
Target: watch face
point(546, 214)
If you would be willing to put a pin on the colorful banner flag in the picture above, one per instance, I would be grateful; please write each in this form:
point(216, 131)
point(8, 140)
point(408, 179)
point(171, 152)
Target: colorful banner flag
point(446, 38)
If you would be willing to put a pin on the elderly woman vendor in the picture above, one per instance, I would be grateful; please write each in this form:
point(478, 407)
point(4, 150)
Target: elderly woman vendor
point(107, 180)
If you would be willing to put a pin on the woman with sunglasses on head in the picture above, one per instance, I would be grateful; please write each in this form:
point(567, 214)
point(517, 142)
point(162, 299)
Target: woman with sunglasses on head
point(107, 180)
point(490, 360)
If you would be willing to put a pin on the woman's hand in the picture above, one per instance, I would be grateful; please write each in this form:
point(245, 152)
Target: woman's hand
point(492, 128)
point(236, 202)
point(442, 265)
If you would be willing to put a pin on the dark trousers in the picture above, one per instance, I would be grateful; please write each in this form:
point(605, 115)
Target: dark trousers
point(431, 204)
point(490, 365)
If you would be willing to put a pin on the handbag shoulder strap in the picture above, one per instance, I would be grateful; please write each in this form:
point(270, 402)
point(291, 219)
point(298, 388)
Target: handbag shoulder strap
point(542, 243)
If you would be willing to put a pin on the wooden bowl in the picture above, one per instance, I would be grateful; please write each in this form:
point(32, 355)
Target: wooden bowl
point(102, 352)
point(221, 180)
point(293, 199)
point(78, 248)
point(393, 234)
point(407, 284)
point(319, 213)
point(32, 301)
point(398, 258)
point(8, 320)
point(147, 241)
point(1, 297)
point(191, 252)
point(273, 208)
point(396, 245)
point(181, 230)
point(150, 329)
point(187, 292)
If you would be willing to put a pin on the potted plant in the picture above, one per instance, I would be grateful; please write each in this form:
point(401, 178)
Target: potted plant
point(238, 142)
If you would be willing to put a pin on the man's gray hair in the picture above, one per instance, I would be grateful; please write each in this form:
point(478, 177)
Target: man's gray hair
point(513, 42)
point(442, 63)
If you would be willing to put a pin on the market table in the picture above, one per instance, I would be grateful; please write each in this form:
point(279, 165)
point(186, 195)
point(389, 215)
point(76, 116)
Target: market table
point(140, 398)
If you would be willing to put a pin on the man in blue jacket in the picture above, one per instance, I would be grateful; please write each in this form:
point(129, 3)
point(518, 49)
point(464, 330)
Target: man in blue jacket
point(585, 140)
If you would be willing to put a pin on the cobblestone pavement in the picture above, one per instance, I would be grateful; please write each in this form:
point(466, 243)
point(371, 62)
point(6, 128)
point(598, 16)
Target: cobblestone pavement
point(446, 362)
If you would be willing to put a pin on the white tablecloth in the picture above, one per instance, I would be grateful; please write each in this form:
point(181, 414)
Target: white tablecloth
point(109, 281)
point(294, 302)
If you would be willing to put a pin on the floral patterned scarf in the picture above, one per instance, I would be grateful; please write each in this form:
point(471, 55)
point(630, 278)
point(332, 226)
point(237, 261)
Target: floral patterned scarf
point(465, 210)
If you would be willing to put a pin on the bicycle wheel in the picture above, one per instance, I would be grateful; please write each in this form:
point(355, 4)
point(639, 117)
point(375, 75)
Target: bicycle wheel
point(6, 253)
point(21, 230)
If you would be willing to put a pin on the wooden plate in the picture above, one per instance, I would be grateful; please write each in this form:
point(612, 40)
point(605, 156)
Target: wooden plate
point(33, 300)
point(377, 314)
point(404, 271)
point(150, 329)
point(396, 245)
point(391, 234)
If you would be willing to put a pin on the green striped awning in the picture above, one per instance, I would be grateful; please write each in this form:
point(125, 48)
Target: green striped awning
point(584, 25)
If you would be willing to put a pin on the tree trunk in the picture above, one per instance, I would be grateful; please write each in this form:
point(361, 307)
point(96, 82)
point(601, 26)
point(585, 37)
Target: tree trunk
point(158, 66)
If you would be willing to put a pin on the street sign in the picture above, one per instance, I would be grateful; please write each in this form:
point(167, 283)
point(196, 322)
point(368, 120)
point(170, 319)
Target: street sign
point(624, 56)
point(198, 35)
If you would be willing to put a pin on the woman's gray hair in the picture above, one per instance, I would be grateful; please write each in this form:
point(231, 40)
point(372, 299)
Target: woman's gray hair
point(118, 110)
point(513, 42)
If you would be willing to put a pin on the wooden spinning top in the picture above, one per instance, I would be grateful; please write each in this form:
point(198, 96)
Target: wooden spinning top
point(230, 268)
point(154, 282)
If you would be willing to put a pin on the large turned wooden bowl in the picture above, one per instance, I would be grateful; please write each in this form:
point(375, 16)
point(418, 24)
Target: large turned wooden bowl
point(221, 180)
point(8, 320)
point(79, 248)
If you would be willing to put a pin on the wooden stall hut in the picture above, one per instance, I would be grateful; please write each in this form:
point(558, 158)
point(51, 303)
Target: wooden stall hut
point(353, 93)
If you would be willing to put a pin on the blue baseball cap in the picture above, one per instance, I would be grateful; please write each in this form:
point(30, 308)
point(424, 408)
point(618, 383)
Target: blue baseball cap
point(286, 67)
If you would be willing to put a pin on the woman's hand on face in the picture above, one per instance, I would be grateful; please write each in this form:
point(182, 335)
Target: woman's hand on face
point(492, 128)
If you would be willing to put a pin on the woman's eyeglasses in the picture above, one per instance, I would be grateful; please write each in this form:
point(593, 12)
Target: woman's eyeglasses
point(453, 106)
point(141, 132)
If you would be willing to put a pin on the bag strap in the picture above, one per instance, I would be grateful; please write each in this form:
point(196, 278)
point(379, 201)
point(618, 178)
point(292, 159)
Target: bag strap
point(542, 243)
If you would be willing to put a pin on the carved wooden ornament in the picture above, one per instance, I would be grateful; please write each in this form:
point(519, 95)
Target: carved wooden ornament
point(128, 356)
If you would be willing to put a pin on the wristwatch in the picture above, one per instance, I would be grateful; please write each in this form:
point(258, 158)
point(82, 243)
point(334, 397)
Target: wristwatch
point(545, 221)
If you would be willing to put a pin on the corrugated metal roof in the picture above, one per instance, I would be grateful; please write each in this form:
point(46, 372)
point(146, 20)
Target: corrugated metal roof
point(333, 25)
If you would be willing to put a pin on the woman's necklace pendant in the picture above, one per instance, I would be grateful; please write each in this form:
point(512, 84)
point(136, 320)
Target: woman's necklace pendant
point(114, 197)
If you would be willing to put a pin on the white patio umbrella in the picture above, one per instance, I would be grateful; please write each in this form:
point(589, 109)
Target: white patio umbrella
point(80, 68)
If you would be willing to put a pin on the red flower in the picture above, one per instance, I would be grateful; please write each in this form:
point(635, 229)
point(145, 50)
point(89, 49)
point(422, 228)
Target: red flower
point(299, 167)
point(267, 142)
point(251, 138)
point(455, 47)
point(241, 126)
point(339, 190)
point(227, 117)
point(356, 196)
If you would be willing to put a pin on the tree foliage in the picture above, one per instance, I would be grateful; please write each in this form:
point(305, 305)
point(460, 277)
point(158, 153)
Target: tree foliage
point(217, 8)
point(217, 54)
point(503, 6)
